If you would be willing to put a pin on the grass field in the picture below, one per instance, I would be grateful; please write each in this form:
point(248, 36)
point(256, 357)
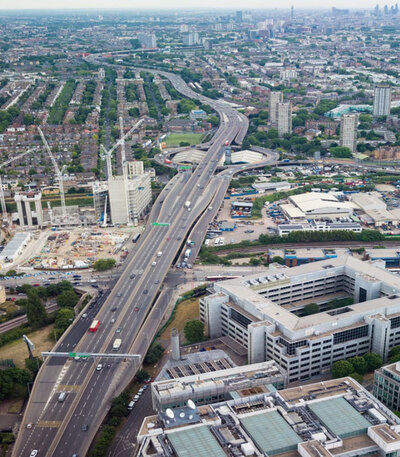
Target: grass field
point(186, 311)
point(175, 138)
point(18, 351)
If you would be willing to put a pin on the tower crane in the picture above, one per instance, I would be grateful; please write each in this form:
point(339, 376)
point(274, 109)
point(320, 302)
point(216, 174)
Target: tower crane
point(107, 155)
point(121, 142)
point(2, 199)
point(58, 174)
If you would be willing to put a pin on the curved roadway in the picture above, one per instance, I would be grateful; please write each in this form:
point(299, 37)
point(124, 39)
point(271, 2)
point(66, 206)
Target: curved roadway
point(60, 427)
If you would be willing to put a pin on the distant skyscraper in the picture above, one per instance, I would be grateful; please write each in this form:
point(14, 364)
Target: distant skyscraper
point(239, 16)
point(274, 99)
point(147, 40)
point(284, 118)
point(292, 13)
point(348, 131)
point(382, 99)
point(190, 39)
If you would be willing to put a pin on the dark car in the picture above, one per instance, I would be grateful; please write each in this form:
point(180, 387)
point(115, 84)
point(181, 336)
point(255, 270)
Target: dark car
point(85, 427)
point(113, 309)
point(145, 291)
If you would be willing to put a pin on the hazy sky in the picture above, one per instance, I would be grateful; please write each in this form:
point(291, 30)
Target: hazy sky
point(50, 4)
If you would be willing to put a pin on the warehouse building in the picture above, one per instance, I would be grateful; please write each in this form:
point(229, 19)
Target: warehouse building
point(391, 256)
point(331, 418)
point(294, 257)
point(320, 226)
point(317, 205)
point(15, 247)
point(263, 313)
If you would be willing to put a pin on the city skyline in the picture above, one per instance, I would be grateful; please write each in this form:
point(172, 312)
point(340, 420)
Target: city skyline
point(158, 4)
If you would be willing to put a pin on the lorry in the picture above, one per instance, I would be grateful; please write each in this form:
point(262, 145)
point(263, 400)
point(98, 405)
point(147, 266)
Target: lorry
point(188, 252)
point(117, 344)
point(187, 204)
point(94, 326)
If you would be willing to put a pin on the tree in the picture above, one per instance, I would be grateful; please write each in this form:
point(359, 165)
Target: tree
point(194, 331)
point(141, 376)
point(104, 264)
point(64, 317)
point(35, 311)
point(311, 308)
point(374, 361)
point(278, 259)
point(67, 298)
point(273, 133)
point(357, 377)
point(154, 354)
point(33, 365)
point(340, 152)
point(360, 364)
point(342, 368)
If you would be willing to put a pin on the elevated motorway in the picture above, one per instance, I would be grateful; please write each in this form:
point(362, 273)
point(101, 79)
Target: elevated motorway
point(64, 428)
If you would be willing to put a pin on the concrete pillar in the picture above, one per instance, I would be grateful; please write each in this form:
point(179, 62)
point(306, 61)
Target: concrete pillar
point(28, 212)
point(176, 350)
point(20, 213)
point(39, 211)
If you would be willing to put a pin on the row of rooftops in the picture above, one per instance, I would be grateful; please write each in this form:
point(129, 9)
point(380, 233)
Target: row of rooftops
point(329, 418)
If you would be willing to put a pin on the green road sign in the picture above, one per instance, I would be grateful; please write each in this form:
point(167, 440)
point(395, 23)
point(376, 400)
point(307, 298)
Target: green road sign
point(72, 354)
point(160, 224)
point(185, 167)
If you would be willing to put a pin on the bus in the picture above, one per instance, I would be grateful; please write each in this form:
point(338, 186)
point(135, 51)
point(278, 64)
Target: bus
point(135, 238)
point(94, 326)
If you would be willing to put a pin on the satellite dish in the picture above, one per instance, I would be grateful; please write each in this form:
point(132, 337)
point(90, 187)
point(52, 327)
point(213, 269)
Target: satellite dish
point(182, 415)
point(190, 416)
point(191, 404)
point(170, 413)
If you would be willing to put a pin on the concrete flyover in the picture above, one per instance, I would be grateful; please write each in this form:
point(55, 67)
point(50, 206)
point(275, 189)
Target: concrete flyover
point(127, 312)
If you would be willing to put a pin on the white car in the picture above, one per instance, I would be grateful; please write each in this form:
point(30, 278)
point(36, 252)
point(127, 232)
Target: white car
point(33, 453)
point(99, 367)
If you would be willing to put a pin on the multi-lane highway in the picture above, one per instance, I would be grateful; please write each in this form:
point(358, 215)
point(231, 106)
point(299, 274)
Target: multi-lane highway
point(63, 428)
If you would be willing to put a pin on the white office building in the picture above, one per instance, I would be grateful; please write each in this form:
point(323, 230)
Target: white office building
point(264, 313)
point(129, 198)
point(382, 100)
point(274, 99)
point(348, 131)
point(284, 118)
point(134, 168)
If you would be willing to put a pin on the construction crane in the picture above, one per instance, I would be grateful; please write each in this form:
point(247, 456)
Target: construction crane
point(2, 199)
point(107, 155)
point(121, 142)
point(58, 174)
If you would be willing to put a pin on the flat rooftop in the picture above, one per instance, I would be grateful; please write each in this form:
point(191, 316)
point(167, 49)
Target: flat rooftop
point(285, 423)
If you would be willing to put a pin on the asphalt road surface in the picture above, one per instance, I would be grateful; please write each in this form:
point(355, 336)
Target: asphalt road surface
point(63, 428)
